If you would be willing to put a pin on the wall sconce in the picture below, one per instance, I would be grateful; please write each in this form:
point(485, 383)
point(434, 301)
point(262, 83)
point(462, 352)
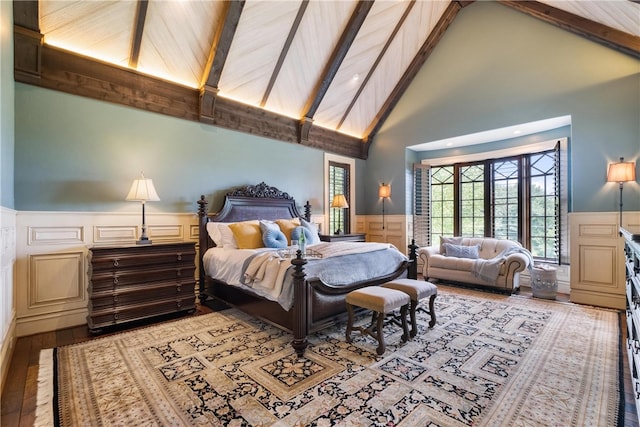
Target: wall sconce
point(142, 190)
point(621, 172)
point(340, 202)
point(384, 191)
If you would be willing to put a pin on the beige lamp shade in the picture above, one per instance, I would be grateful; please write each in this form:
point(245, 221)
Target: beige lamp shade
point(384, 190)
point(339, 201)
point(142, 190)
point(621, 171)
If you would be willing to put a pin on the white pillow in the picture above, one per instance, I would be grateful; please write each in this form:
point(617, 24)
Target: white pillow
point(222, 235)
point(315, 237)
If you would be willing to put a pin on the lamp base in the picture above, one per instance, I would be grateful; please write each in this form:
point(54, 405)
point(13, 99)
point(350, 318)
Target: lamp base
point(143, 242)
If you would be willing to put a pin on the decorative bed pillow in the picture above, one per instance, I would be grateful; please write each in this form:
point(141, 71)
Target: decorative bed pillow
point(287, 226)
point(221, 235)
point(274, 239)
point(247, 234)
point(266, 225)
point(452, 240)
point(462, 251)
point(313, 237)
point(308, 235)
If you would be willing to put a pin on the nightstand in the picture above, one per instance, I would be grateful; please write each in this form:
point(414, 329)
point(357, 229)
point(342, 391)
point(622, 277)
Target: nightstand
point(354, 237)
point(128, 283)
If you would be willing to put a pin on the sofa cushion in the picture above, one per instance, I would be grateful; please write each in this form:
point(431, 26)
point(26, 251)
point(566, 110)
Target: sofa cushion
point(461, 251)
point(452, 240)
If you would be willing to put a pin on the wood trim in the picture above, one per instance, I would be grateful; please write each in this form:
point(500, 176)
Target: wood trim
point(436, 34)
point(610, 37)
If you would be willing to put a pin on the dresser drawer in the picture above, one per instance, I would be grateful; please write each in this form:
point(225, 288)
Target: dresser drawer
point(116, 262)
point(110, 280)
point(127, 313)
point(127, 295)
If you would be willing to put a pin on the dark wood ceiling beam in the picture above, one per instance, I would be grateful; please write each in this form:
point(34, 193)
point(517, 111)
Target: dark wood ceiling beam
point(78, 75)
point(411, 71)
point(285, 49)
point(138, 29)
point(346, 39)
point(615, 39)
point(377, 61)
point(217, 58)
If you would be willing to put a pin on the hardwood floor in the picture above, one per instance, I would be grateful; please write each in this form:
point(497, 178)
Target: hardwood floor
point(20, 389)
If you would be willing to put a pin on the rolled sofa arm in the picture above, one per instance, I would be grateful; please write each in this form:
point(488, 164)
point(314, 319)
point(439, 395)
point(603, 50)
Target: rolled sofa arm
point(424, 253)
point(516, 263)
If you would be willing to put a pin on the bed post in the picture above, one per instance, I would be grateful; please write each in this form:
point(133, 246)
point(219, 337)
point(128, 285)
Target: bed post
point(202, 244)
point(300, 342)
point(412, 271)
point(307, 211)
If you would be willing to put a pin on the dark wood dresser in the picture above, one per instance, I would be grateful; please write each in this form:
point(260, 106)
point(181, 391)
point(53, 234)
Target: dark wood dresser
point(128, 283)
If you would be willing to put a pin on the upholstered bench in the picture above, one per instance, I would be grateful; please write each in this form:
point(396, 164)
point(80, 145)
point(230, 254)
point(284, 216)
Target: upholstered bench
point(380, 301)
point(416, 290)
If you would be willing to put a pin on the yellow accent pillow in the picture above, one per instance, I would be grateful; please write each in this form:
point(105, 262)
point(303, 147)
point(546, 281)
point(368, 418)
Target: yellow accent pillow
point(287, 226)
point(247, 234)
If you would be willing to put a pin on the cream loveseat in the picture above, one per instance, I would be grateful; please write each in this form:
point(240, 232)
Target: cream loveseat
point(496, 263)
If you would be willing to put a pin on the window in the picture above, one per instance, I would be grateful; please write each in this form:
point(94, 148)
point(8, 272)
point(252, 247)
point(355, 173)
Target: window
point(516, 197)
point(339, 183)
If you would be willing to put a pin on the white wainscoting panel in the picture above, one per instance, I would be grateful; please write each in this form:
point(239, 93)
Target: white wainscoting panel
point(68, 269)
point(597, 258)
point(7, 290)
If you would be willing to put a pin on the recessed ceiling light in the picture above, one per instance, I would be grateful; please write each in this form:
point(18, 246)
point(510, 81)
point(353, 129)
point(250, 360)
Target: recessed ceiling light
point(355, 77)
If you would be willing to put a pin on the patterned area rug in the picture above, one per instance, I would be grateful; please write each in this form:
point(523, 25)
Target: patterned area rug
point(491, 360)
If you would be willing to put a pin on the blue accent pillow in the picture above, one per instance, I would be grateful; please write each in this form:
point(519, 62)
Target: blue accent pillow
point(308, 235)
point(462, 251)
point(313, 237)
point(274, 239)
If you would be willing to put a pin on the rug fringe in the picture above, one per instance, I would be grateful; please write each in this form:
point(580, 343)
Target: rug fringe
point(44, 402)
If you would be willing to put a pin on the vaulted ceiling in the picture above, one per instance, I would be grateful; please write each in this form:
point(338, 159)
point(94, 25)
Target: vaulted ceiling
point(322, 73)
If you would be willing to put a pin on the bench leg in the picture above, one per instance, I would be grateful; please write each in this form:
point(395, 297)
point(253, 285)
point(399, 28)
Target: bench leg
point(380, 335)
point(432, 310)
point(412, 315)
point(405, 328)
point(350, 322)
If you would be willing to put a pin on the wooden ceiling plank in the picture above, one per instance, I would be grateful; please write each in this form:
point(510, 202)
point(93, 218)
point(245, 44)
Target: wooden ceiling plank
point(141, 16)
point(375, 64)
point(356, 21)
point(217, 58)
point(611, 37)
point(284, 51)
point(411, 71)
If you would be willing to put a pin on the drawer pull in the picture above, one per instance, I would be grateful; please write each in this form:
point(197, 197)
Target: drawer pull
point(178, 288)
point(115, 280)
point(179, 257)
point(179, 303)
point(115, 298)
point(116, 262)
point(115, 316)
point(178, 273)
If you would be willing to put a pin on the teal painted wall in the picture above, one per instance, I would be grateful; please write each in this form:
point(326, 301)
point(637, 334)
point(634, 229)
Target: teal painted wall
point(497, 67)
point(6, 105)
point(78, 154)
